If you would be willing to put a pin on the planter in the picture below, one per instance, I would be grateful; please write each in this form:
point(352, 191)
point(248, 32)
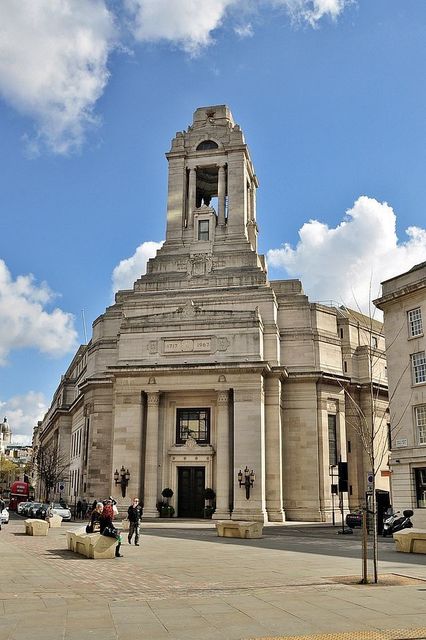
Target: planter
point(166, 511)
point(208, 512)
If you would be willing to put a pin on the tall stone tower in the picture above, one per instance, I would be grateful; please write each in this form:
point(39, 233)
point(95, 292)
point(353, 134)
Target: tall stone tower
point(211, 209)
point(5, 435)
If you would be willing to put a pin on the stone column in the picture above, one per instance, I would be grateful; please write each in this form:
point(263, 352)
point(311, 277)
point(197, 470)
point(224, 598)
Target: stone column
point(273, 450)
point(221, 192)
point(192, 188)
point(253, 201)
point(151, 456)
point(222, 457)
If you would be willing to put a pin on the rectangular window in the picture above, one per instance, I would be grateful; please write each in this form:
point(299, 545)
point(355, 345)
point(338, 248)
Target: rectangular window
point(374, 342)
point(418, 361)
point(332, 439)
point(415, 324)
point(420, 415)
point(194, 423)
point(420, 479)
point(203, 230)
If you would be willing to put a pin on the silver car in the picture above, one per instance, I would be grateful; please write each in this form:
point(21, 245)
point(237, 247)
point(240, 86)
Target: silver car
point(60, 510)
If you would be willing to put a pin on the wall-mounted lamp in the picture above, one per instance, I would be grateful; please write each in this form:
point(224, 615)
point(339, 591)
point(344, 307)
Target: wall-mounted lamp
point(247, 481)
point(122, 478)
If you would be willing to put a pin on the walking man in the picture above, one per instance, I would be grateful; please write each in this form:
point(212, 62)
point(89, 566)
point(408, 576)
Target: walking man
point(134, 513)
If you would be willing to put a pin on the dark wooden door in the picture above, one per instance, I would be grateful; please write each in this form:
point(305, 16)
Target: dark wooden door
point(190, 492)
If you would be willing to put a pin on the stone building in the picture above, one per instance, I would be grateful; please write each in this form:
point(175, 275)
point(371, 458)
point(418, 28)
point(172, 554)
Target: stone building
point(403, 302)
point(205, 367)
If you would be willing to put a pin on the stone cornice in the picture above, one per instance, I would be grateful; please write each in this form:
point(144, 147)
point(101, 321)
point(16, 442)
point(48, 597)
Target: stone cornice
point(260, 367)
point(96, 382)
point(398, 293)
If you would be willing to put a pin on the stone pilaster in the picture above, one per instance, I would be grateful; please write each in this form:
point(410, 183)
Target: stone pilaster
point(222, 457)
point(249, 450)
point(192, 188)
point(151, 455)
point(273, 450)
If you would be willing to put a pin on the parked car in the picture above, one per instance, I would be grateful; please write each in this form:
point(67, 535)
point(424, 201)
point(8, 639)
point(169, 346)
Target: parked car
point(57, 509)
point(61, 510)
point(21, 506)
point(32, 511)
point(354, 519)
point(25, 510)
point(4, 516)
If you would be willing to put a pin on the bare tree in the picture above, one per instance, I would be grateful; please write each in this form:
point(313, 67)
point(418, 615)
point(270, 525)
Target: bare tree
point(369, 413)
point(50, 466)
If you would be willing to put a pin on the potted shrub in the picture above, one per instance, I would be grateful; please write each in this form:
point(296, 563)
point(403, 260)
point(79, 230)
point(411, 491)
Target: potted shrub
point(209, 495)
point(166, 510)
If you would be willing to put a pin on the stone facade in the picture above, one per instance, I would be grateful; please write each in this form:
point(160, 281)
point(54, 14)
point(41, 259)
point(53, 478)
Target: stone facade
point(404, 305)
point(205, 366)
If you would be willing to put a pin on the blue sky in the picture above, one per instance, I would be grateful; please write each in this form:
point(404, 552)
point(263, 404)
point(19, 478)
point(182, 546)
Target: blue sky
point(332, 100)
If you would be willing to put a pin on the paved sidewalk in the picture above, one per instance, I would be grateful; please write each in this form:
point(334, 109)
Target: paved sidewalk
point(184, 582)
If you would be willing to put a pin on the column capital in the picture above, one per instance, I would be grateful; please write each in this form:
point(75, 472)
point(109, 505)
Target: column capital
point(223, 397)
point(153, 397)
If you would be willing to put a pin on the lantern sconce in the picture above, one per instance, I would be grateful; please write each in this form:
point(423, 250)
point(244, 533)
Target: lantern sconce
point(246, 479)
point(122, 478)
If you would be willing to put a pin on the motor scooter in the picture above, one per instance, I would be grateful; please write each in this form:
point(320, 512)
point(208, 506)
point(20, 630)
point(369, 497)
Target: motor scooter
point(396, 522)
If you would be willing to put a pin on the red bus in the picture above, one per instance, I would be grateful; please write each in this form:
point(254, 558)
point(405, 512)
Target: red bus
point(19, 492)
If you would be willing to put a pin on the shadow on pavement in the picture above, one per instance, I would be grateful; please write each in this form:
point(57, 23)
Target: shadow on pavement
point(65, 554)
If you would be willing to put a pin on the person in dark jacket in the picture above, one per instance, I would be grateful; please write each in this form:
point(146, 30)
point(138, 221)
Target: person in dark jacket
point(134, 514)
point(107, 526)
point(95, 518)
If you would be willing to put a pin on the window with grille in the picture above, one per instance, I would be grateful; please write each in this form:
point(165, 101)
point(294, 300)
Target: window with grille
point(418, 361)
point(203, 230)
point(415, 324)
point(420, 413)
point(194, 423)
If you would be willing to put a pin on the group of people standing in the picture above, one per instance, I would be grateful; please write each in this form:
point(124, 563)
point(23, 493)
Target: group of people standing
point(101, 520)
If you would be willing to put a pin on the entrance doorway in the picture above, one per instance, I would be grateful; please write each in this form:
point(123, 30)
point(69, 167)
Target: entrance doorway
point(191, 483)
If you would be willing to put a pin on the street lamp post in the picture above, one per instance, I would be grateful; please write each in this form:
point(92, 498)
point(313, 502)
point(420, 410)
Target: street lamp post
point(334, 487)
point(122, 478)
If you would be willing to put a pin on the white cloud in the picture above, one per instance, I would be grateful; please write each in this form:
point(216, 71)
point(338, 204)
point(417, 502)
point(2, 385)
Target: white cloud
point(53, 65)
point(339, 263)
point(54, 53)
point(22, 414)
point(24, 321)
point(190, 26)
point(244, 30)
point(312, 11)
point(183, 22)
point(130, 269)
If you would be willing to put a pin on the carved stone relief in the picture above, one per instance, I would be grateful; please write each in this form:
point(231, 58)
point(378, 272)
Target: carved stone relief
point(199, 264)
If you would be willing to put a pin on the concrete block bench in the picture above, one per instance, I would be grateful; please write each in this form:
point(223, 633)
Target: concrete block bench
point(36, 527)
point(239, 529)
point(54, 521)
point(91, 545)
point(410, 540)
